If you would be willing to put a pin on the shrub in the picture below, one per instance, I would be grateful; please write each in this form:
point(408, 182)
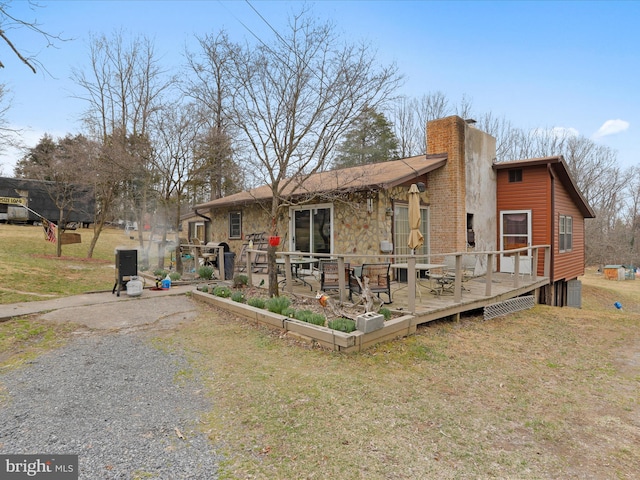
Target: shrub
point(256, 302)
point(278, 304)
point(174, 276)
point(158, 272)
point(237, 297)
point(220, 291)
point(204, 288)
point(289, 312)
point(345, 325)
point(205, 272)
point(385, 312)
point(240, 280)
point(310, 317)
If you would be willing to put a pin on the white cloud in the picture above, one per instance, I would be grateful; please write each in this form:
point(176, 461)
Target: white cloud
point(611, 127)
point(557, 132)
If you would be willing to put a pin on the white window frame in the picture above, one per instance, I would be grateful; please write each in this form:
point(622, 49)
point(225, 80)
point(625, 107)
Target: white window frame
point(565, 233)
point(232, 234)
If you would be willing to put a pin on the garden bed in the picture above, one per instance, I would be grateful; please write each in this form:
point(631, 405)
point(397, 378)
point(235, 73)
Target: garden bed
point(323, 336)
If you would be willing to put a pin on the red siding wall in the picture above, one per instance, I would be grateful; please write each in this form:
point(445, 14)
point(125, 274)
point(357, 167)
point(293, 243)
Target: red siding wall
point(547, 199)
point(567, 265)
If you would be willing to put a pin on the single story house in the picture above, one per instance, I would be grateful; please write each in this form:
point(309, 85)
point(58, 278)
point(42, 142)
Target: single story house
point(364, 209)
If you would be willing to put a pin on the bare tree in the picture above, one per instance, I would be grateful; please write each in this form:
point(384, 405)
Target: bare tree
point(58, 165)
point(465, 108)
point(632, 214)
point(177, 129)
point(9, 22)
point(211, 88)
point(122, 88)
point(294, 98)
point(410, 117)
point(214, 174)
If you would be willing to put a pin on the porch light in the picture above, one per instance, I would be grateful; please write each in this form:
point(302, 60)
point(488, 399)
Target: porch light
point(369, 205)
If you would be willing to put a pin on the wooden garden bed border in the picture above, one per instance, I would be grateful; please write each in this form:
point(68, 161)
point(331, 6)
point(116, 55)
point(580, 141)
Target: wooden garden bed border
point(326, 337)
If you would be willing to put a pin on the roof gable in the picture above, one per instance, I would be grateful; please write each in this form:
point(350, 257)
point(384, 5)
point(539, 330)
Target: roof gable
point(561, 170)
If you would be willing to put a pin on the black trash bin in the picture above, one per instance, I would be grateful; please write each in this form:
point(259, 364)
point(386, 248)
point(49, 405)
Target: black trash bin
point(229, 265)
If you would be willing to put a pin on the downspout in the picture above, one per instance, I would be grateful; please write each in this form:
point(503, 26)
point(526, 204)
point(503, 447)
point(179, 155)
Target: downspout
point(206, 232)
point(552, 226)
point(195, 210)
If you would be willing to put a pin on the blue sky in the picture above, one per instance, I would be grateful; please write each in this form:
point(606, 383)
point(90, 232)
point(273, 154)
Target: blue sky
point(539, 64)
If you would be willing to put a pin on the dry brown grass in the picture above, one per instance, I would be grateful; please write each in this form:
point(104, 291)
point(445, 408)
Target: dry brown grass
point(546, 393)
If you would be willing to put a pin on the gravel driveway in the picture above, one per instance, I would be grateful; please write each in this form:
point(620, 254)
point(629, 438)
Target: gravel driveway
point(126, 408)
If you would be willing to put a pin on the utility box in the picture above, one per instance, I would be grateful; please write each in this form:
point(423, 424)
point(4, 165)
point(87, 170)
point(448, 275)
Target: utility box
point(369, 322)
point(574, 293)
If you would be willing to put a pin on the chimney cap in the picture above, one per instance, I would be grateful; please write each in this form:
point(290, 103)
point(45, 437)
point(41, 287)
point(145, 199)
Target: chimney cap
point(470, 121)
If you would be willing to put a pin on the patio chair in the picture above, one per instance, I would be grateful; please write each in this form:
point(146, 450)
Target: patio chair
point(468, 271)
point(379, 280)
point(329, 277)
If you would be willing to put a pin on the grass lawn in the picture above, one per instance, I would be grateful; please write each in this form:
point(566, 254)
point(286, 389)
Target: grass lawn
point(31, 271)
point(545, 393)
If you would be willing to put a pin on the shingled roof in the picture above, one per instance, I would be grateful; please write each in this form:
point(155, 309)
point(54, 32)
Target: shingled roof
point(375, 176)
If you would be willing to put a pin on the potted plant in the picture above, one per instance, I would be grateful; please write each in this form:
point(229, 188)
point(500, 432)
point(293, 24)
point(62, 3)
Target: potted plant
point(274, 241)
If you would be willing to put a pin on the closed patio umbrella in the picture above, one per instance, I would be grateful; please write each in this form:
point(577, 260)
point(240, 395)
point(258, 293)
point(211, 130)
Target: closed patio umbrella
point(415, 237)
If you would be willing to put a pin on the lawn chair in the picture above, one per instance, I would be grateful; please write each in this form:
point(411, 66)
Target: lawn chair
point(329, 277)
point(379, 280)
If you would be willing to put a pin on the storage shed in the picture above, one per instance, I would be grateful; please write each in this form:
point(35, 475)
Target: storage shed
point(614, 272)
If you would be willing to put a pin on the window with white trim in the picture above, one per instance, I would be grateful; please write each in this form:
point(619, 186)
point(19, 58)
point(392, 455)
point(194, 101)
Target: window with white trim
point(235, 224)
point(565, 243)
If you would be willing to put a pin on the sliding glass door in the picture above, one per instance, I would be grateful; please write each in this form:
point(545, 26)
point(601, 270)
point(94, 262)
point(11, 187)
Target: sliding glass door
point(311, 229)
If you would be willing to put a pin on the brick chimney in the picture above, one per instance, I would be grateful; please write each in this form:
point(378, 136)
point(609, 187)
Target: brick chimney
point(447, 185)
point(465, 188)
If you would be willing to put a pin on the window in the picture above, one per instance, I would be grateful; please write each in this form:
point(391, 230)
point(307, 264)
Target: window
point(515, 175)
point(565, 242)
point(235, 224)
point(401, 230)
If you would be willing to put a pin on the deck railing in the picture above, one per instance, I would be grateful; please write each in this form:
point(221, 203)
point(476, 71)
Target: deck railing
point(487, 267)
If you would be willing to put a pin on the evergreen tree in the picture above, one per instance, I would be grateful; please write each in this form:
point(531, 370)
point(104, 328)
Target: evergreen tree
point(370, 140)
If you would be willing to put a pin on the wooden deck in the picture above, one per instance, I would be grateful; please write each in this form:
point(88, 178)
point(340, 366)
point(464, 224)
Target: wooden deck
point(429, 306)
point(432, 307)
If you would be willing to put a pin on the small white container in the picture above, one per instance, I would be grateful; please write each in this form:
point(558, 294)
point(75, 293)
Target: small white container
point(134, 287)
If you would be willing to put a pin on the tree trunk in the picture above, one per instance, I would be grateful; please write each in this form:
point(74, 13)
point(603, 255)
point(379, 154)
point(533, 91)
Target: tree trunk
point(272, 269)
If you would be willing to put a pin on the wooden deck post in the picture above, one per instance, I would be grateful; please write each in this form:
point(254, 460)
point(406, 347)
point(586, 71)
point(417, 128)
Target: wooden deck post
point(411, 283)
point(341, 282)
point(249, 254)
point(457, 285)
point(489, 274)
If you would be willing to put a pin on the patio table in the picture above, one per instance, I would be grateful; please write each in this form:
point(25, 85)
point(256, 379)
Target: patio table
point(296, 263)
point(422, 267)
